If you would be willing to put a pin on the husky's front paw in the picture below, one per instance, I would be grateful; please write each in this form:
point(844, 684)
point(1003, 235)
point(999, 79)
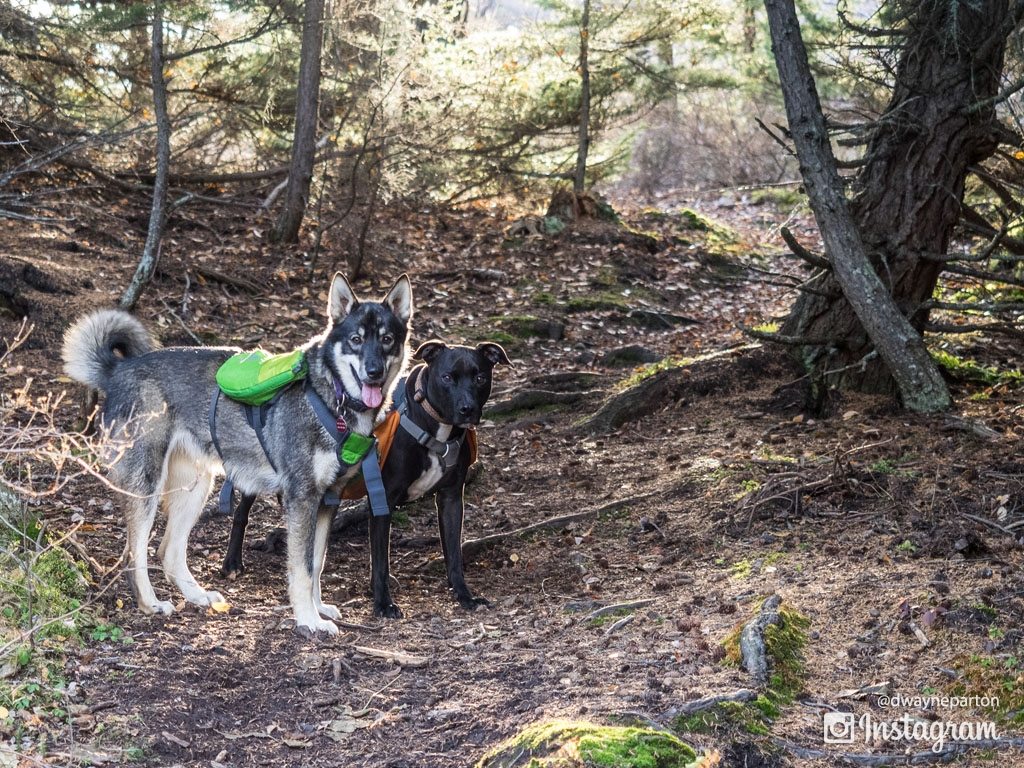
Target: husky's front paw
point(158, 608)
point(315, 626)
point(206, 599)
point(328, 611)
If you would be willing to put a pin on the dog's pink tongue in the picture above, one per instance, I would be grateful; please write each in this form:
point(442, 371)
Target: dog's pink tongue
point(372, 396)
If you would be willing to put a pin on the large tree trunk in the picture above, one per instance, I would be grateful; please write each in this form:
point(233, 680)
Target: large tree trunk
point(899, 345)
point(909, 193)
point(300, 174)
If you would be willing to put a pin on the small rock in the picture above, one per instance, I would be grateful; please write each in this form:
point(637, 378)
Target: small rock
point(985, 573)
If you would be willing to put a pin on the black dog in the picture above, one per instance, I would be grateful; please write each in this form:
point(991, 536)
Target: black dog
point(440, 402)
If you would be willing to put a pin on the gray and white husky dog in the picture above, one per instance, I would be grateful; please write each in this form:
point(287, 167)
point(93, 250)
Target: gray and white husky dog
point(162, 453)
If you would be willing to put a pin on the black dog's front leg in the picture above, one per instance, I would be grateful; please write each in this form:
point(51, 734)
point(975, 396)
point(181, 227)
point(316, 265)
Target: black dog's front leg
point(380, 568)
point(450, 511)
point(232, 567)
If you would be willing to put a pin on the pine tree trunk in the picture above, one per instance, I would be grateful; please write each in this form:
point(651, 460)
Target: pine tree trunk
point(909, 193)
point(307, 104)
point(580, 177)
point(158, 211)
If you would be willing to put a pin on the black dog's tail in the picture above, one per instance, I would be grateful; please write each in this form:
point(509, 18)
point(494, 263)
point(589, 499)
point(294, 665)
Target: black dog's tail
point(95, 344)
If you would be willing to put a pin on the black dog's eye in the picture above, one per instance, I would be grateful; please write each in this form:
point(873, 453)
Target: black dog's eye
point(355, 341)
point(446, 378)
point(387, 340)
point(481, 378)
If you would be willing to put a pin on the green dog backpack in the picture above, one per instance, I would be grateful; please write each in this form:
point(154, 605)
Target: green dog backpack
point(255, 377)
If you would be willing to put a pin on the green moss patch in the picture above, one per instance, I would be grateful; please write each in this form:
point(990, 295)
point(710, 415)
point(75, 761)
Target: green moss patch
point(783, 197)
point(785, 643)
point(597, 302)
point(523, 326)
point(995, 683)
point(41, 615)
point(568, 744)
point(688, 218)
point(965, 369)
point(42, 580)
point(752, 718)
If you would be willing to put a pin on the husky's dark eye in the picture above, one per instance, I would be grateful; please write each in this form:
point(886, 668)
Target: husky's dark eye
point(387, 339)
point(355, 340)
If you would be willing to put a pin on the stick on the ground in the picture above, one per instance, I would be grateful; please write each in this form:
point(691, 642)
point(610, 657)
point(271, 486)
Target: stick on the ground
point(615, 607)
point(235, 281)
point(798, 250)
point(471, 547)
point(399, 657)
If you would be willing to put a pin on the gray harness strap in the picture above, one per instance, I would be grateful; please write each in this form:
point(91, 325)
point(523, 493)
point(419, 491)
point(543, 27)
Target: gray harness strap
point(447, 452)
point(256, 416)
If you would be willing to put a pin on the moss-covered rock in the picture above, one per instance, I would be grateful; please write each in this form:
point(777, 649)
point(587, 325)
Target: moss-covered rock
point(567, 744)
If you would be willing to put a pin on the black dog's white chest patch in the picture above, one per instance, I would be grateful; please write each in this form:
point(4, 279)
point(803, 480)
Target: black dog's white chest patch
point(432, 476)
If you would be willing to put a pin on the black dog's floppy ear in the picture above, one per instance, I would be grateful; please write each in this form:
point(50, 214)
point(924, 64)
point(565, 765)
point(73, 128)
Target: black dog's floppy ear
point(493, 352)
point(399, 299)
point(428, 350)
point(342, 299)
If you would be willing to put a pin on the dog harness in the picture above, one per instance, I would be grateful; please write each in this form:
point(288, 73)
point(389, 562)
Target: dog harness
point(351, 447)
point(447, 451)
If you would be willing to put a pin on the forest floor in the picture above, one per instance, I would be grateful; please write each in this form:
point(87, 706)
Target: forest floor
point(894, 534)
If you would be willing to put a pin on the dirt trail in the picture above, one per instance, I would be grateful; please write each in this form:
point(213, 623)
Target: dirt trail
point(864, 527)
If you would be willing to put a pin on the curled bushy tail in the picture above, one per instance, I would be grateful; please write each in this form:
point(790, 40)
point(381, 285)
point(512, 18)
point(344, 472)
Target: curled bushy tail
point(96, 343)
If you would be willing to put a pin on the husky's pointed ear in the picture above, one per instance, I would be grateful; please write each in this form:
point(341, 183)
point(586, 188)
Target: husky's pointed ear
point(493, 352)
point(342, 299)
point(428, 350)
point(399, 299)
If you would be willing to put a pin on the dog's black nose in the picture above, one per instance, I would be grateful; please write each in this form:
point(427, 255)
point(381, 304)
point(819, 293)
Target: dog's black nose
point(375, 372)
point(465, 410)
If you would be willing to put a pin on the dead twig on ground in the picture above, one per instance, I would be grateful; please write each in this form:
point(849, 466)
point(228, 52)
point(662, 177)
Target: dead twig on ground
point(616, 607)
point(471, 547)
point(398, 657)
point(235, 281)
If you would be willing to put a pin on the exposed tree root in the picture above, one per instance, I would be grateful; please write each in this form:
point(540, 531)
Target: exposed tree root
point(538, 398)
point(702, 377)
